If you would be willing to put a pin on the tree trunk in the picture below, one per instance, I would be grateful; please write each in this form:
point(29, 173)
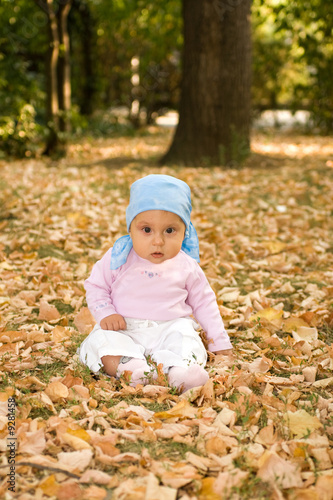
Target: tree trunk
point(58, 85)
point(64, 72)
point(214, 112)
point(52, 107)
point(89, 77)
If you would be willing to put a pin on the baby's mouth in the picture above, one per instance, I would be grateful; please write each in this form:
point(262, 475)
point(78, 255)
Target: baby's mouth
point(156, 255)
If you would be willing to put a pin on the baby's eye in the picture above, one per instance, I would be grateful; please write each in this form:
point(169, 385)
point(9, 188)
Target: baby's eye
point(146, 230)
point(170, 230)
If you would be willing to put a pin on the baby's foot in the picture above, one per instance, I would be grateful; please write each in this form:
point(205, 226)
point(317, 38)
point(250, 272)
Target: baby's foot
point(186, 378)
point(141, 371)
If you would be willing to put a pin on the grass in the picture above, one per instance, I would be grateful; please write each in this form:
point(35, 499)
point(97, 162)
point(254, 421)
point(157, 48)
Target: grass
point(159, 449)
point(45, 251)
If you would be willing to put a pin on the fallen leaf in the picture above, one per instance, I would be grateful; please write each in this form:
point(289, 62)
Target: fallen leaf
point(75, 460)
point(49, 486)
point(94, 493)
point(48, 312)
point(69, 490)
point(84, 321)
point(95, 476)
point(32, 443)
point(56, 391)
point(270, 314)
point(306, 333)
point(60, 333)
point(225, 481)
point(75, 442)
point(277, 471)
point(183, 409)
point(301, 423)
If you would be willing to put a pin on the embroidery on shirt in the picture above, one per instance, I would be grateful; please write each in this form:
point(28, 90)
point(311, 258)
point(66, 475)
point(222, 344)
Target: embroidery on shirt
point(150, 274)
point(101, 306)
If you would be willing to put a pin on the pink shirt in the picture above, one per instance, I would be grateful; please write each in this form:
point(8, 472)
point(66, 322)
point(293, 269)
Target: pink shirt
point(140, 289)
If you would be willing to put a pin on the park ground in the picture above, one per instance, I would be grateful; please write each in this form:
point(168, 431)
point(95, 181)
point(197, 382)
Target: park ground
point(262, 426)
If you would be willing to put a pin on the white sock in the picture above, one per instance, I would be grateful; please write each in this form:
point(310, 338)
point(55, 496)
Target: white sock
point(139, 368)
point(186, 378)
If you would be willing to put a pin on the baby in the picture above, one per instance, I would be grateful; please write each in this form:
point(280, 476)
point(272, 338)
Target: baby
point(145, 289)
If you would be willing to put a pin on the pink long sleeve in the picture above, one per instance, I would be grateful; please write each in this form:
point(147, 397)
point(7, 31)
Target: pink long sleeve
point(139, 289)
point(205, 309)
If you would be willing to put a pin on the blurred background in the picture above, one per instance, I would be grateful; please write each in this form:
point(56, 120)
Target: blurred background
point(119, 67)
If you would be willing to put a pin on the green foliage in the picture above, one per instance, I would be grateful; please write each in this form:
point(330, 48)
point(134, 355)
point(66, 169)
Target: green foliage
point(21, 83)
point(292, 61)
point(20, 136)
point(293, 57)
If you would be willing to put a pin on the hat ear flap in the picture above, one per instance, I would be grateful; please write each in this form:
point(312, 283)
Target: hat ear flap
point(120, 251)
point(191, 243)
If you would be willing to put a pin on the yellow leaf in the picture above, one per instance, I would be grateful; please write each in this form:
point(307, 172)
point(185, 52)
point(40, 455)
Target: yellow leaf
point(299, 452)
point(301, 423)
point(75, 442)
point(79, 433)
point(291, 324)
point(273, 246)
point(182, 409)
point(207, 491)
point(49, 486)
point(270, 314)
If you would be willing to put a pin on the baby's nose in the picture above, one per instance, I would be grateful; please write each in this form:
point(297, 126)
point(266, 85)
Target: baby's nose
point(158, 239)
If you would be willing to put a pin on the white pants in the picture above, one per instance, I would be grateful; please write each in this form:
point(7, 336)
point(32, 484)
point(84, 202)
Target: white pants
point(172, 343)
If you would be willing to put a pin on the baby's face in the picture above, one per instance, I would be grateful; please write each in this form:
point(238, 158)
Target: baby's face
point(157, 235)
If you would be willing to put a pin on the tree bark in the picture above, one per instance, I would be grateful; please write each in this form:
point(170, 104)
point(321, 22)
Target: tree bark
point(58, 85)
point(214, 112)
point(87, 68)
point(64, 72)
point(52, 107)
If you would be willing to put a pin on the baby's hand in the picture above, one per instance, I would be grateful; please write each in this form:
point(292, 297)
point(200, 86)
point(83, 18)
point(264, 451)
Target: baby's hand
point(113, 322)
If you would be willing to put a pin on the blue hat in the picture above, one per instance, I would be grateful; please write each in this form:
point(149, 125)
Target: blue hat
point(158, 192)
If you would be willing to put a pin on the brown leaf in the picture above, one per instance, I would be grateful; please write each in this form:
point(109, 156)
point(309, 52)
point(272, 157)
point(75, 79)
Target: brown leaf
point(12, 336)
point(32, 443)
point(48, 312)
point(324, 487)
point(56, 391)
point(95, 476)
point(84, 321)
point(174, 475)
point(75, 460)
point(278, 471)
point(69, 490)
point(94, 493)
point(60, 333)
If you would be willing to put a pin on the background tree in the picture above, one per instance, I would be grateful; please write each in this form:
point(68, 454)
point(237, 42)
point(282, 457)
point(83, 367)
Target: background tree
point(214, 111)
point(58, 89)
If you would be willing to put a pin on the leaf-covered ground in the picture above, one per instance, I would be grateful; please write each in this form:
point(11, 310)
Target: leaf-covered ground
point(262, 427)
